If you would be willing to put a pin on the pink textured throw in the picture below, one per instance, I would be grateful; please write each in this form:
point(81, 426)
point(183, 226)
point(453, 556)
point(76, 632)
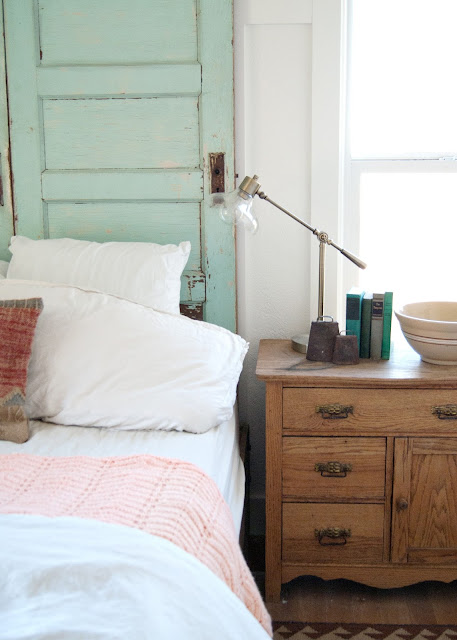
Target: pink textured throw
point(167, 498)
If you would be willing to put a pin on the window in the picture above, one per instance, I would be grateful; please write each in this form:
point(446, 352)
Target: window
point(401, 159)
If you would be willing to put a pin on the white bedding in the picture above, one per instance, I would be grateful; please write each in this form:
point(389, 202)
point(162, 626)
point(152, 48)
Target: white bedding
point(60, 579)
point(102, 361)
point(216, 451)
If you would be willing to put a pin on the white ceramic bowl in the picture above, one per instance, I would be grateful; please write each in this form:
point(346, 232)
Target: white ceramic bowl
point(430, 328)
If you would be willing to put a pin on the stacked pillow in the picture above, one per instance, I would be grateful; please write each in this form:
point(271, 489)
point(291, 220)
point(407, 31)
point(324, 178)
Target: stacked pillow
point(143, 272)
point(120, 356)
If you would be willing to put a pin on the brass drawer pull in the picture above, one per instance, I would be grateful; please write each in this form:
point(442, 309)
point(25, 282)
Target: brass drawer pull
point(445, 412)
point(333, 469)
point(338, 536)
point(334, 411)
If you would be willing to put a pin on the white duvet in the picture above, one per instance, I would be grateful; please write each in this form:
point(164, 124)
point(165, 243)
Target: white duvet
point(60, 581)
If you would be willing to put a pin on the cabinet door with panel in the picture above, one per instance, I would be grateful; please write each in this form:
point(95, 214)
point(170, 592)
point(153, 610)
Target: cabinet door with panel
point(424, 523)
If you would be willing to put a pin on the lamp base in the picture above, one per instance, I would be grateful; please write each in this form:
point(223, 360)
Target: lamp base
point(300, 342)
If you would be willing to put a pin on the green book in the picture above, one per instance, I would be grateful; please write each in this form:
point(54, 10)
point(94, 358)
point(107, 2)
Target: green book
point(365, 334)
point(354, 299)
point(386, 325)
point(377, 321)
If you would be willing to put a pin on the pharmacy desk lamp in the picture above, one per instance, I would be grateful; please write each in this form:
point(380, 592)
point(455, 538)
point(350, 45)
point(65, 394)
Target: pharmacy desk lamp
point(236, 207)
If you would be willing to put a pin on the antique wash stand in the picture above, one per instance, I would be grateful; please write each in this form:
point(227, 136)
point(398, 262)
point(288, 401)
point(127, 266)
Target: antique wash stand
point(361, 469)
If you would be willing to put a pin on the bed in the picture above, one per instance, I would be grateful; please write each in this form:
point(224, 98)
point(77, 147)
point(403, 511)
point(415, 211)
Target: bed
point(121, 484)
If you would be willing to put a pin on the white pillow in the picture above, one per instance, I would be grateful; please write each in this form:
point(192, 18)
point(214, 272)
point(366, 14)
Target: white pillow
point(139, 271)
point(3, 268)
point(102, 361)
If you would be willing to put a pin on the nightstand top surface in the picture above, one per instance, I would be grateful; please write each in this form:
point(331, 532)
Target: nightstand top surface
point(277, 361)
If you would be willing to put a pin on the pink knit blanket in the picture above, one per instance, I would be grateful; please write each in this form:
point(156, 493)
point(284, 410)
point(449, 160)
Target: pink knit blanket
point(167, 498)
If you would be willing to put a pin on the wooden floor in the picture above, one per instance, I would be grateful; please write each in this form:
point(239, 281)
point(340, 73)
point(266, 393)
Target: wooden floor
point(311, 599)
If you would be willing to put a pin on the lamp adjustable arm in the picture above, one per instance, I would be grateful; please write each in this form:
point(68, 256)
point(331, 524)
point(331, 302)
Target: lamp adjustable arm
point(246, 192)
point(322, 236)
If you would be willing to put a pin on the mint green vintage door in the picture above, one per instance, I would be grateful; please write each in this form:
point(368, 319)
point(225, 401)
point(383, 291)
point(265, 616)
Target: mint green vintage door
point(115, 108)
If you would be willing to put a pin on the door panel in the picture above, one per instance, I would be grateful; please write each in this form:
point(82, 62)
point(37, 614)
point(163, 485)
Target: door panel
point(433, 511)
point(150, 133)
point(425, 500)
point(114, 111)
point(88, 32)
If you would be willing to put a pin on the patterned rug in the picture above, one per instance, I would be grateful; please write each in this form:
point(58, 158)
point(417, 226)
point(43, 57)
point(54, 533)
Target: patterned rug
point(342, 631)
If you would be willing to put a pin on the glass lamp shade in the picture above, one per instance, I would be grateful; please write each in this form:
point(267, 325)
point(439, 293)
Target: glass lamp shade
point(236, 207)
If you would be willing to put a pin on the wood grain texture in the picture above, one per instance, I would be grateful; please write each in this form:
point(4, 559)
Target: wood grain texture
point(86, 32)
point(401, 496)
point(273, 492)
point(278, 361)
point(363, 546)
point(216, 136)
point(433, 495)
point(165, 223)
point(365, 480)
point(390, 411)
point(79, 81)
point(123, 133)
point(390, 442)
point(407, 456)
point(25, 116)
point(124, 185)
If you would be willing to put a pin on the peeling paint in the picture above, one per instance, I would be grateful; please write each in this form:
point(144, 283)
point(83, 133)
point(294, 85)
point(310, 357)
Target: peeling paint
point(169, 164)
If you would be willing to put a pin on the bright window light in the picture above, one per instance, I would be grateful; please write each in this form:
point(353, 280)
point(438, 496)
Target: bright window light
point(402, 143)
point(404, 93)
point(409, 229)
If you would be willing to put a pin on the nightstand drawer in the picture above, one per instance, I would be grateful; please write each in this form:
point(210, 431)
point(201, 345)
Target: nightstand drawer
point(392, 410)
point(332, 533)
point(333, 468)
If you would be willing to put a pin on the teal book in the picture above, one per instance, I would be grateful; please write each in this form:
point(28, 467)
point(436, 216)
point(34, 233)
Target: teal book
point(386, 325)
point(365, 333)
point(377, 321)
point(354, 299)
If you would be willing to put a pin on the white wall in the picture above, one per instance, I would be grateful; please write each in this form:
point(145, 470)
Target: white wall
point(277, 137)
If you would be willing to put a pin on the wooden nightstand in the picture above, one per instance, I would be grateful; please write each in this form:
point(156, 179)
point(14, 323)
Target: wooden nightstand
point(361, 469)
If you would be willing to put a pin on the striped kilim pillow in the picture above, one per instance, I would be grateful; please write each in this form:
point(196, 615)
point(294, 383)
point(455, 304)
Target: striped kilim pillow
point(18, 320)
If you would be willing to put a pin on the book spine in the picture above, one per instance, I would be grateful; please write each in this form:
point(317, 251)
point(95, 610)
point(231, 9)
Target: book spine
point(365, 331)
point(354, 315)
point(386, 325)
point(377, 316)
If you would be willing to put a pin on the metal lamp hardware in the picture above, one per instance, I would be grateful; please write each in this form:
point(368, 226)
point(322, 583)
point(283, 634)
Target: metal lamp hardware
point(445, 411)
point(337, 535)
point(245, 193)
point(333, 469)
point(334, 411)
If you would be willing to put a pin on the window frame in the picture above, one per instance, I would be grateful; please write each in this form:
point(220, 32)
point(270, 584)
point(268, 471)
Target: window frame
point(354, 168)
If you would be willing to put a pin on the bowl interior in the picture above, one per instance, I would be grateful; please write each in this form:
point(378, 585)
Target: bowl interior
point(433, 311)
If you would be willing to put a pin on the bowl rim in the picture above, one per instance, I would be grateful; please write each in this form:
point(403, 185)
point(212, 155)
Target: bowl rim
point(401, 313)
